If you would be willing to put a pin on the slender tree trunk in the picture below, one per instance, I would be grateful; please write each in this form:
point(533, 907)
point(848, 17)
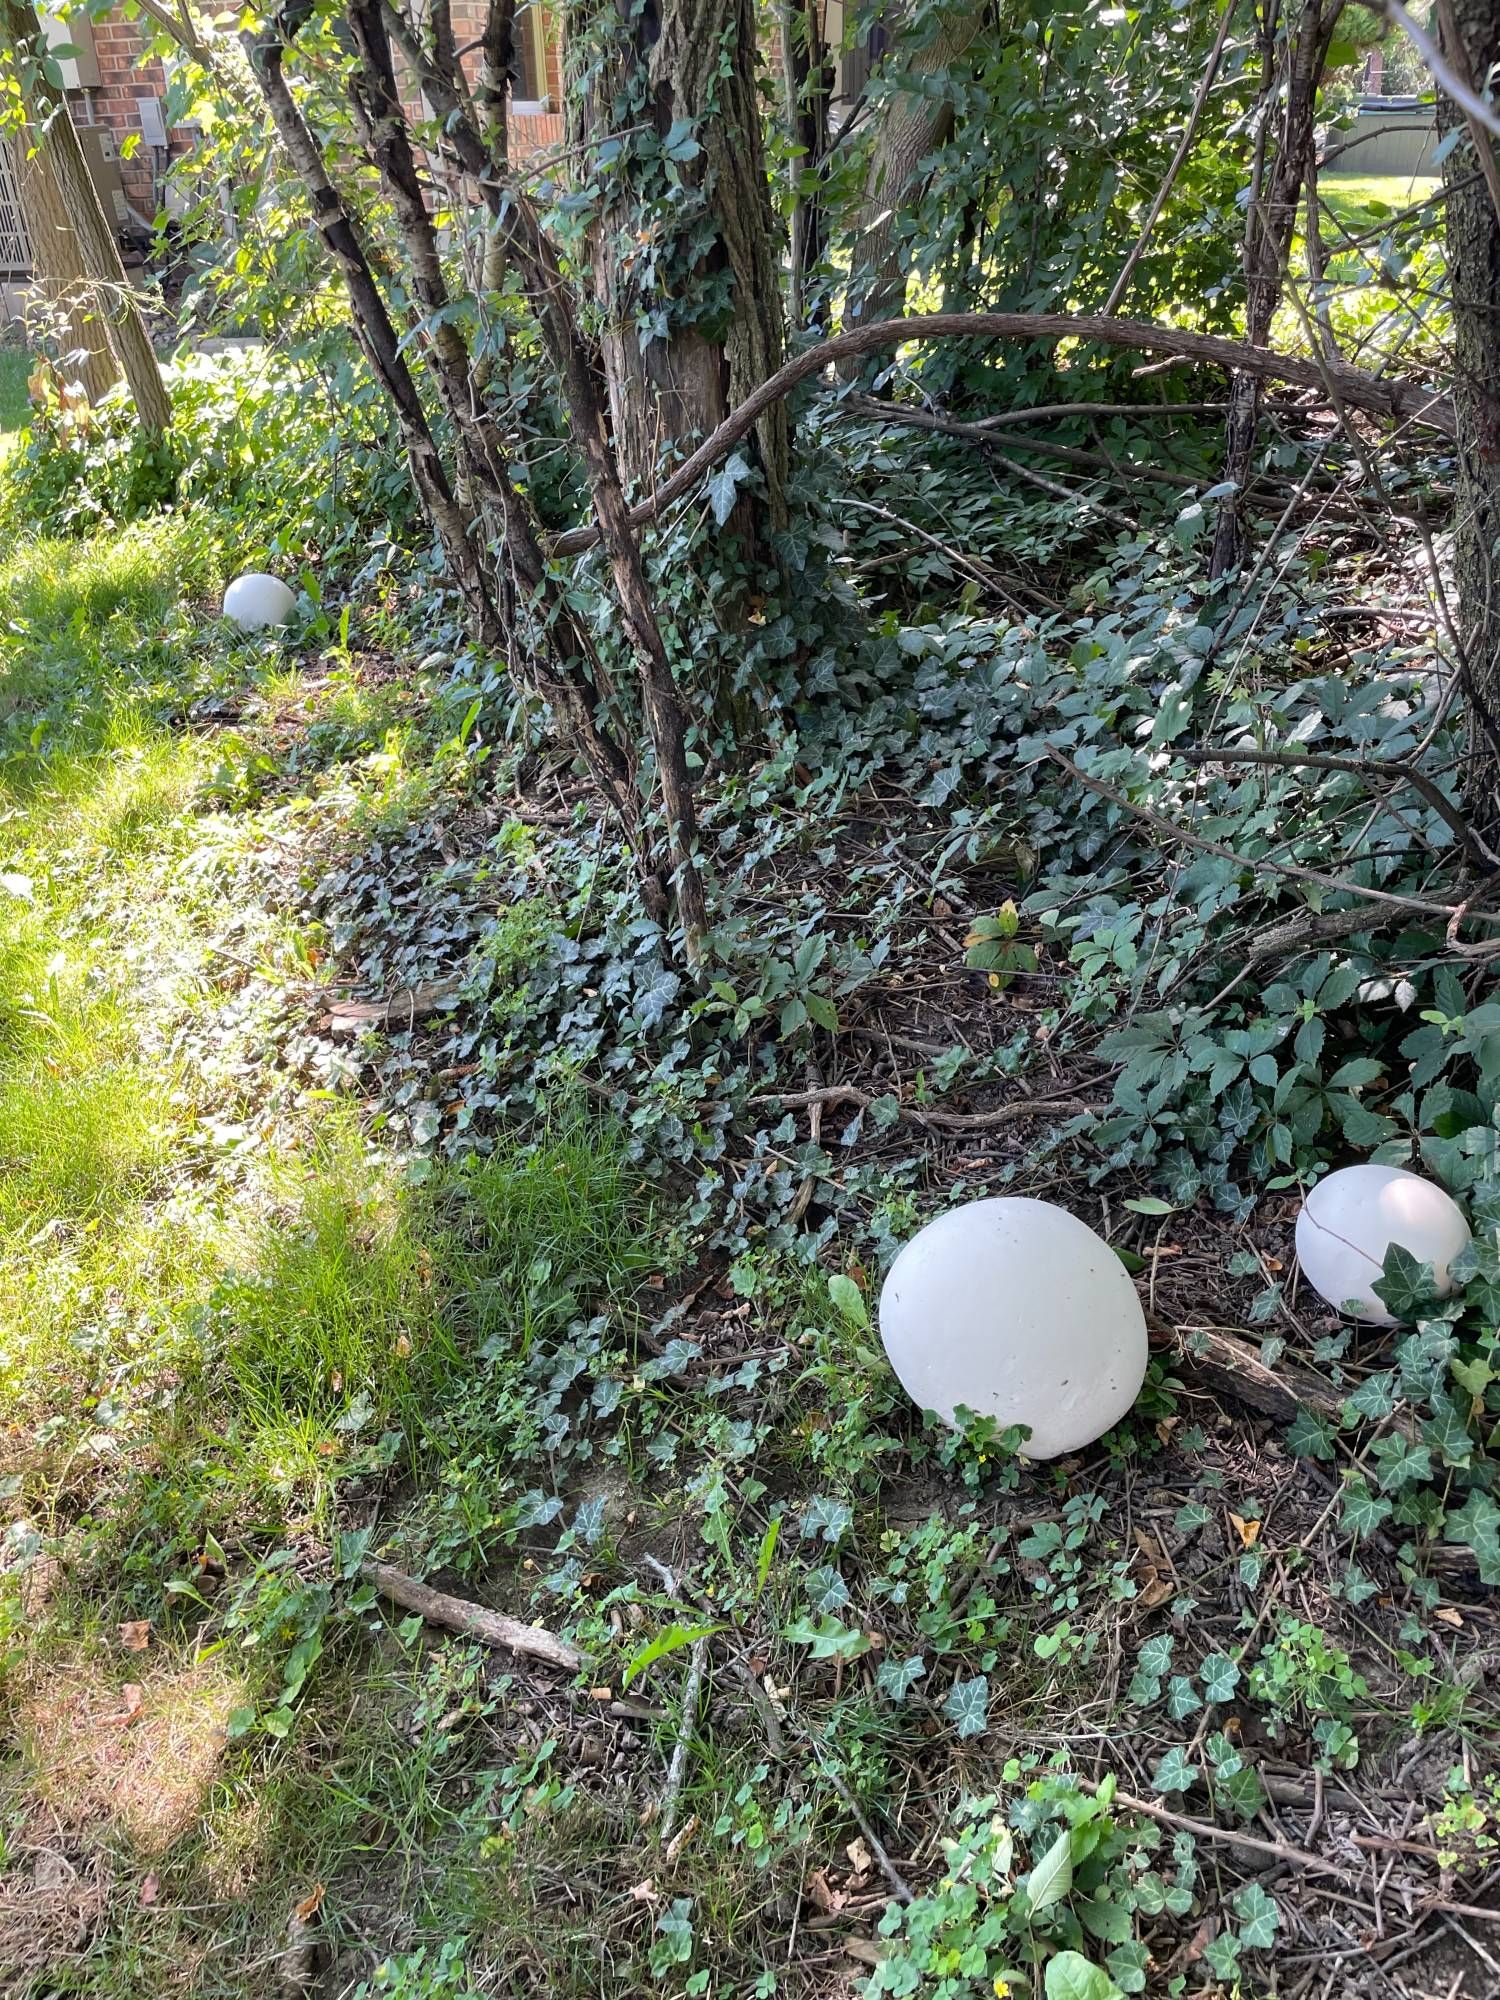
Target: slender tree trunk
point(913, 126)
point(511, 531)
point(62, 152)
point(57, 272)
point(809, 89)
point(1471, 42)
point(1289, 96)
point(548, 293)
point(378, 339)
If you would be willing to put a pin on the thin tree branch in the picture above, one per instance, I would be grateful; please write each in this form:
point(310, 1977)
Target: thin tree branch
point(1396, 398)
point(1469, 101)
point(1294, 869)
point(1477, 849)
point(1190, 132)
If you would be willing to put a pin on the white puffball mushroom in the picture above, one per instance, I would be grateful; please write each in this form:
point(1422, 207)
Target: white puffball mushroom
point(1351, 1219)
point(255, 600)
point(1017, 1310)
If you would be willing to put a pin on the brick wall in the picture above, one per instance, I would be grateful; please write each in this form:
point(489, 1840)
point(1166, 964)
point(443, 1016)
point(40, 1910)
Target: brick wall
point(123, 79)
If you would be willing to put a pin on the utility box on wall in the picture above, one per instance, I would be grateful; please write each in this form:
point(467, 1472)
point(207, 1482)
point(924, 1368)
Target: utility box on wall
point(102, 157)
point(80, 71)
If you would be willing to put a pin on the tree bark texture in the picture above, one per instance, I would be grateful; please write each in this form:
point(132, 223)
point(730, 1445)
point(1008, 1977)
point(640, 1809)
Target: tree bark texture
point(1471, 42)
point(62, 152)
point(691, 64)
point(1292, 63)
point(57, 274)
point(912, 127)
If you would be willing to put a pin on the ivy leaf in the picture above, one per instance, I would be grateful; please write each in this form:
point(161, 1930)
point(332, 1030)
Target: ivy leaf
point(1071, 1976)
point(1374, 1398)
point(827, 1518)
point(1052, 1878)
point(1476, 1525)
point(1220, 1676)
point(826, 1589)
point(897, 1677)
point(1127, 1967)
point(1222, 1956)
point(1182, 1698)
point(1174, 1773)
point(1155, 1656)
point(1242, 1791)
point(1363, 1510)
point(1309, 1435)
point(1400, 1463)
point(655, 991)
point(968, 1705)
point(1406, 1284)
point(1258, 1917)
point(725, 484)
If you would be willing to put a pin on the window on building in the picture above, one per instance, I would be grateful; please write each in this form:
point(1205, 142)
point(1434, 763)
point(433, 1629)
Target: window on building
point(529, 71)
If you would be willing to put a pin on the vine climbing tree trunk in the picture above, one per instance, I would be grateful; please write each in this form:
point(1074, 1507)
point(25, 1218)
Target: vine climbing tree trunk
point(50, 123)
point(1471, 44)
point(684, 254)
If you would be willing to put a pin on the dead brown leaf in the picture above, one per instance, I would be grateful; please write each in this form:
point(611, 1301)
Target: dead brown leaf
point(310, 1905)
point(135, 1634)
point(1248, 1531)
point(150, 1891)
point(860, 1858)
point(130, 1706)
point(1446, 1614)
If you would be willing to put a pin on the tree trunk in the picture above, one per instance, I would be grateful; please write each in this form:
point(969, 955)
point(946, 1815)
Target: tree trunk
point(98, 251)
point(809, 79)
point(1289, 93)
point(693, 328)
point(913, 126)
point(1471, 42)
point(58, 276)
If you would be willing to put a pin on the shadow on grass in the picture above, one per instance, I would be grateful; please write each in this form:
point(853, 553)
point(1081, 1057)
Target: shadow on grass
point(217, 1360)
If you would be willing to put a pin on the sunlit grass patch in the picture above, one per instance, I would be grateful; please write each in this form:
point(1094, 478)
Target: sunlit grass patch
point(552, 1227)
point(332, 1321)
point(122, 1743)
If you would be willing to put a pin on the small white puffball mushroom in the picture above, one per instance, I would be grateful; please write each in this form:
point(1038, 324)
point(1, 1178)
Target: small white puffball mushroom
point(255, 600)
point(1018, 1311)
point(1351, 1219)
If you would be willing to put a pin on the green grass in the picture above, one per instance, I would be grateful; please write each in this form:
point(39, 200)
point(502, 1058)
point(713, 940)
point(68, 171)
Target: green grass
point(1359, 202)
point(15, 366)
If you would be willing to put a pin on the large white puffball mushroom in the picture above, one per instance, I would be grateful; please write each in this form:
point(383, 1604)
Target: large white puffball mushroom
point(1351, 1219)
point(255, 600)
point(1018, 1311)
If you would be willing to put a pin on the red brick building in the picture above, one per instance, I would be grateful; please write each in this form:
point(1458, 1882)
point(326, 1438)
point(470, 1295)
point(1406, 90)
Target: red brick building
point(118, 98)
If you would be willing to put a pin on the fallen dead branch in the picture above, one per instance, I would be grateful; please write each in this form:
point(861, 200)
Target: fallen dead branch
point(1385, 396)
point(1234, 1368)
point(402, 1010)
point(1279, 1851)
point(473, 1621)
point(1013, 1113)
point(1259, 863)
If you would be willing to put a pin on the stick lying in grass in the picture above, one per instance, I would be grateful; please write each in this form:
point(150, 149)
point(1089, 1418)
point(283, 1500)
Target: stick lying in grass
point(474, 1621)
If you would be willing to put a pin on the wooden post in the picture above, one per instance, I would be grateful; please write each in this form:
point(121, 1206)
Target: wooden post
point(59, 147)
